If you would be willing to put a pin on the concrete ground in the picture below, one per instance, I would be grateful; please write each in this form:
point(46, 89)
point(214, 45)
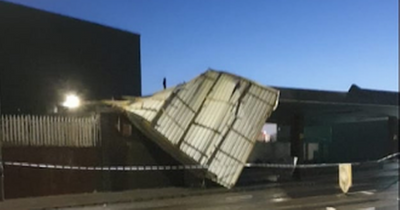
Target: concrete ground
point(310, 197)
point(372, 189)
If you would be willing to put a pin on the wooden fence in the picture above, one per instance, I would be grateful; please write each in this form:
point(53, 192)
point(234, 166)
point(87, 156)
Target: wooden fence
point(27, 130)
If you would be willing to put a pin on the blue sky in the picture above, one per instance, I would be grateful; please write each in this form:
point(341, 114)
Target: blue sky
point(313, 44)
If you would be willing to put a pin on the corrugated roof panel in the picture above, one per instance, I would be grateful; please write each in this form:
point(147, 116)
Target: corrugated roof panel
point(213, 120)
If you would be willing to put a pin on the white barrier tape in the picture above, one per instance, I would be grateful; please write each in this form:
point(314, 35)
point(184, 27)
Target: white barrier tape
point(272, 165)
point(181, 167)
point(388, 157)
point(104, 168)
point(320, 165)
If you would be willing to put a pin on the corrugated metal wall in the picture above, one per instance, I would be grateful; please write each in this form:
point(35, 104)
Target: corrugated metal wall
point(214, 119)
point(30, 130)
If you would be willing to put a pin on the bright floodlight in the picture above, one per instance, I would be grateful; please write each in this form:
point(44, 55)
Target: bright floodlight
point(72, 101)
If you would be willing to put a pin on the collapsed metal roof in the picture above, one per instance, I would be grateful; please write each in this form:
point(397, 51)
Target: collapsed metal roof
point(212, 120)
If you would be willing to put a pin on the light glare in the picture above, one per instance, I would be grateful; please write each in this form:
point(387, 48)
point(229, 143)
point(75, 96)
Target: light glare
point(72, 101)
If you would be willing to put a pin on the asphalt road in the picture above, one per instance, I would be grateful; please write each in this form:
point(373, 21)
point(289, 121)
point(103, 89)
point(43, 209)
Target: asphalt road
point(373, 193)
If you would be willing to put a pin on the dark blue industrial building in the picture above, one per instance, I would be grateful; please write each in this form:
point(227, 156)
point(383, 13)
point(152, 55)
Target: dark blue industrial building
point(44, 56)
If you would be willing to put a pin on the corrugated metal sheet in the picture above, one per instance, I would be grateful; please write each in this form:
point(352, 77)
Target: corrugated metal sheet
point(58, 131)
point(212, 120)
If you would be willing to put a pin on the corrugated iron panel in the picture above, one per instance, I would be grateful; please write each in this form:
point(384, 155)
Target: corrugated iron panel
point(27, 130)
point(213, 120)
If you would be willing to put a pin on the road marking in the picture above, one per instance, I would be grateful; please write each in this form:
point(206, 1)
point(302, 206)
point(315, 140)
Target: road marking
point(277, 200)
point(330, 208)
point(367, 192)
point(239, 197)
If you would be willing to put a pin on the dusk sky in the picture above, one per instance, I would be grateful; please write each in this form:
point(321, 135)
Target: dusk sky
point(313, 44)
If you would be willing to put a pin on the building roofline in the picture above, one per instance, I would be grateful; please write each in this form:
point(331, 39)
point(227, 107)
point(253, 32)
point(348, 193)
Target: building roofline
point(354, 96)
point(34, 9)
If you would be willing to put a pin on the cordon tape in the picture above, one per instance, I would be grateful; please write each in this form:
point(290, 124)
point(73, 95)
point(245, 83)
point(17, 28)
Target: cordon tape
point(179, 167)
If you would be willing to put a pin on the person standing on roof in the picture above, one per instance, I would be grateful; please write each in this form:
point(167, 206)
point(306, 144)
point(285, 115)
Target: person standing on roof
point(164, 83)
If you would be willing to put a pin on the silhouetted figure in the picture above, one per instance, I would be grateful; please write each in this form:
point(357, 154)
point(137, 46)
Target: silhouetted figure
point(164, 83)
